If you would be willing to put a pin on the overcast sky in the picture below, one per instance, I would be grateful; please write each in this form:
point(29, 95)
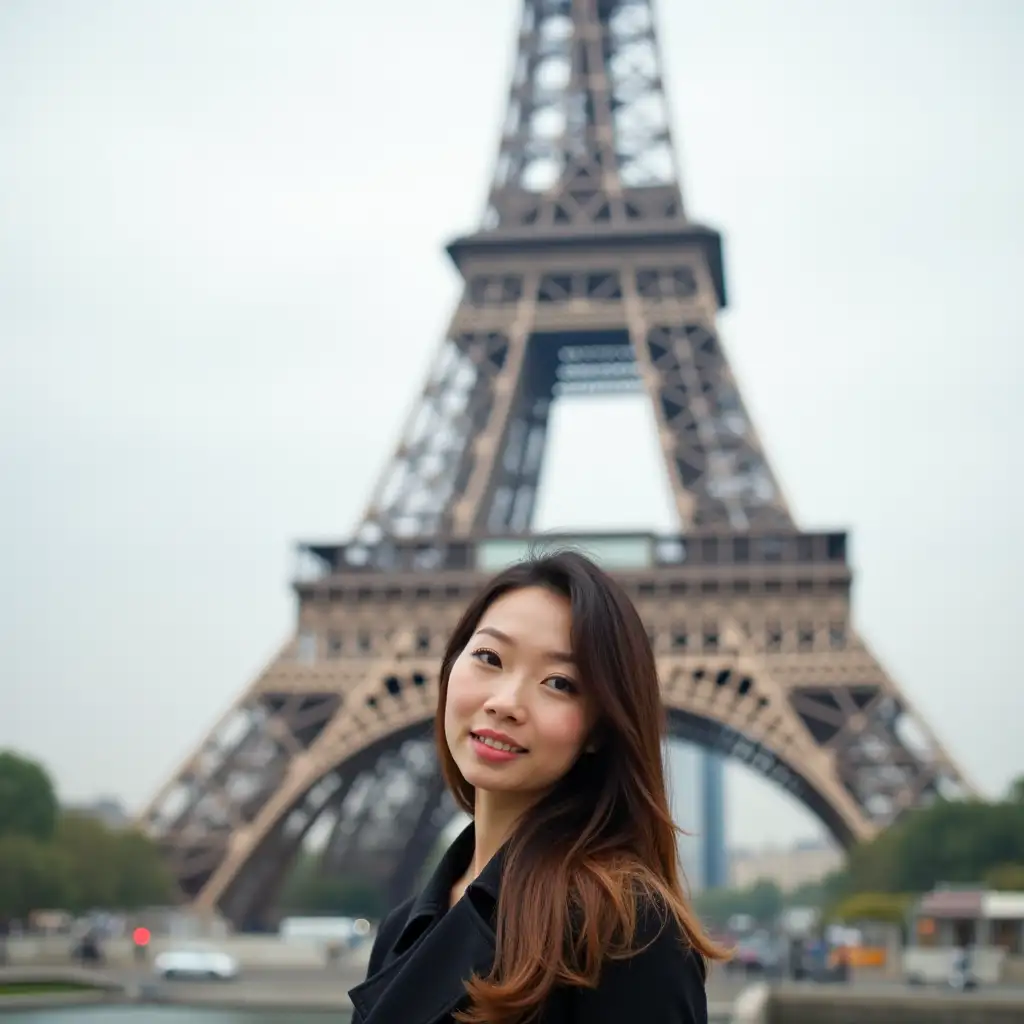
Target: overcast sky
point(221, 278)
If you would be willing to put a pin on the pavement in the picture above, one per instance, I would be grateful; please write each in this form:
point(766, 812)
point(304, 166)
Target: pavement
point(322, 987)
point(281, 987)
point(264, 986)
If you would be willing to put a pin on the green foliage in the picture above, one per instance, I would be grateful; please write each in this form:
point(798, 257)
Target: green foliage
point(60, 861)
point(89, 847)
point(810, 894)
point(956, 842)
point(822, 894)
point(966, 842)
point(1006, 877)
point(307, 892)
point(763, 901)
point(115, 869)
point(884, 907)
point(143, 878)
point(28, 803)
point(33, 876)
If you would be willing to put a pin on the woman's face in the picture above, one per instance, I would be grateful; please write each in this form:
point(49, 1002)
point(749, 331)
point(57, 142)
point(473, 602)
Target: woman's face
point(517, 714)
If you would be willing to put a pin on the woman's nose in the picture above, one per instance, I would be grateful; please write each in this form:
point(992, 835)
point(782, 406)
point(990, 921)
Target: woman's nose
point(506, 699)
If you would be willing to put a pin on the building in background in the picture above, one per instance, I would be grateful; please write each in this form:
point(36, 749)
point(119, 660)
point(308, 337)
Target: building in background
point(696, 787)
point(788, 867)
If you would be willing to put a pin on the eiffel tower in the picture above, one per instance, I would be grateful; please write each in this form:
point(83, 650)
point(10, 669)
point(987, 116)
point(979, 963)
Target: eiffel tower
point(586, 276)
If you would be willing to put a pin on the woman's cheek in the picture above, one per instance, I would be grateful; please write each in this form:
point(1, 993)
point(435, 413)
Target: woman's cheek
point(568, 729)
point(463, 697)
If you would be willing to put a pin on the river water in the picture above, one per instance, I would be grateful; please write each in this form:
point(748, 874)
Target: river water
point(170, 1015)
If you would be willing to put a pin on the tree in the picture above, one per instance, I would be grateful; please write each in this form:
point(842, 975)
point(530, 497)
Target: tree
point(90, 849)
point(950, 841)
point(886, 907)
point(28, 803)
point(823, 894)
point(33, 876)
point(111, 869)
point(763, 901)
point(68, 861)
point(142, 876)
point(1006, 877)
point(307, 891)
point(326, 895)
point(1015, 794)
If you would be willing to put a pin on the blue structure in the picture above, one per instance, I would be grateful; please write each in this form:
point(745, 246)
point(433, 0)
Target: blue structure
point(714, 856)
point(696, 782)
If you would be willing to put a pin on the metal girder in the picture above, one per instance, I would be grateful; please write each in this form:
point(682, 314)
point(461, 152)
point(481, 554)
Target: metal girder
point(586, 138)
point(374, 825)
point(470, 463)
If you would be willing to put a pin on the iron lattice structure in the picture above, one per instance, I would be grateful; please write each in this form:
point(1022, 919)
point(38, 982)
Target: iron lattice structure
point(586, 276)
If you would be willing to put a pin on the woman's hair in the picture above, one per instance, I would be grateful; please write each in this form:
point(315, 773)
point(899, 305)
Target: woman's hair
point(602, 841)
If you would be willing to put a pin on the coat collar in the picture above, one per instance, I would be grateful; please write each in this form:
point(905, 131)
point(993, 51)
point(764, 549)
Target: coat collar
point(438, 949)
point(435, 896)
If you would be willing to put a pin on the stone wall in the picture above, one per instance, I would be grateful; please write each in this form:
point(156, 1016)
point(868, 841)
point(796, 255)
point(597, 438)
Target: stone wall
point(828, 1005)
point(833, 1004)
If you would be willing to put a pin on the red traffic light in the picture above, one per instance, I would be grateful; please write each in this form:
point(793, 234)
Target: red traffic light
point(141, 936)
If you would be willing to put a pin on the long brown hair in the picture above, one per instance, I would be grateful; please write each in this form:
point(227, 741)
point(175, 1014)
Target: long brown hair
point(604, 835)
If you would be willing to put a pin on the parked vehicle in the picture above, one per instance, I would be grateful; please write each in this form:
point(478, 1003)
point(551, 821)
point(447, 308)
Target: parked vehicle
point(196, 962)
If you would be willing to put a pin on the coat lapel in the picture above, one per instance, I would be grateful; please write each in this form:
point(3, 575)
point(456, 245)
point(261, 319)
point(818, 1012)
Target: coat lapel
point(423, 978)
point(428, 982)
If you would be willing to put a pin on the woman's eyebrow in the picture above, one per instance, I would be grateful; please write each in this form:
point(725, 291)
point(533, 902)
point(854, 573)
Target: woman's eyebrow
point(562, 656)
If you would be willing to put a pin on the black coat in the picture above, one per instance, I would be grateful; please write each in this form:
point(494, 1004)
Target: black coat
point(424, 953)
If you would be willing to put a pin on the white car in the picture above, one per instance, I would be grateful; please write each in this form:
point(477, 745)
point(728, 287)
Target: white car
point(196, 962)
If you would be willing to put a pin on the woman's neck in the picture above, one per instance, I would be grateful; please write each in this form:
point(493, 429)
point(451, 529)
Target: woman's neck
point(494, 817)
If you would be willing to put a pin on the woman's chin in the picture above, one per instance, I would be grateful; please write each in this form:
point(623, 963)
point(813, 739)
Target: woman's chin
point(483, 777)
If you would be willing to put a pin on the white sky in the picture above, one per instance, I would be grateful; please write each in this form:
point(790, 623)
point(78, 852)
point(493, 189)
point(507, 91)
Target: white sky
point(221, 279)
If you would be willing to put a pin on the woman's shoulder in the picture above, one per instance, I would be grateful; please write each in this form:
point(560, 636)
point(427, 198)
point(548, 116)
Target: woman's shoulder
point(659, 978)
point(660, 930)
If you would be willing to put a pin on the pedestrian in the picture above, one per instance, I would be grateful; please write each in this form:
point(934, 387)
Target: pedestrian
point(562, 900)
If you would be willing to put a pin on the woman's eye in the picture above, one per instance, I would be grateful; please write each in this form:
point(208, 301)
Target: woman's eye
point(487, 657)
point(561, 684)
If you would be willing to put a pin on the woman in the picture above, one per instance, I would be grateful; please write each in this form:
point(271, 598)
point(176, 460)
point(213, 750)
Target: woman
point(562, 901)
